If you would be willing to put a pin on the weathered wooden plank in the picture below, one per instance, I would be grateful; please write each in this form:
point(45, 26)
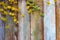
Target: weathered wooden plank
point(37, 23)
point(1, 25)
point(1, 29)
point(15, 26)
point(24, 23)
point(49, 20)
point(36, 28)
point(8, 31)
point(58, 19)
point(9, 23)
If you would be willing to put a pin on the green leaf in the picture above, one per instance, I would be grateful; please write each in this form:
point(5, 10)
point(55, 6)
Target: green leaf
point(42, 15)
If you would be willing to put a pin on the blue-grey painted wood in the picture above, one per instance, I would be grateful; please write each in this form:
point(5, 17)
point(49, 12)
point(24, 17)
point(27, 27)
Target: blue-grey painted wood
point(1, 29)
point(24, 25)
point(49, 20)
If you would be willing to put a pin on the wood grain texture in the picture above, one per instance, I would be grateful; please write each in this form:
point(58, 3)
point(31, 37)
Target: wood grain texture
point(58, 19)
point(1, 29)
point(24, 23)
point(10, 24)
point(49, 20)
point(9, 31)
point(35, 21)
point(37, 26)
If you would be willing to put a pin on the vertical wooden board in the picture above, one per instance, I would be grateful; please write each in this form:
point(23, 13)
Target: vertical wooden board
point(37, 23)
point(1, 24)
point(36, 27)
point(49, 20)
point(1, 29)
point(24, 23)
point(15, 26)
point(58, 19)
point(10, 24)
point(9, 31)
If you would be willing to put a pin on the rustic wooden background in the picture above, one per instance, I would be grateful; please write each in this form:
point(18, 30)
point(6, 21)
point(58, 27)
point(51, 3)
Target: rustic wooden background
point(31, 26)
point(35, 27)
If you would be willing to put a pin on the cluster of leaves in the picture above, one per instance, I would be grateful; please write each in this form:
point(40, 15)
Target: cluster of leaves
point(8, 8)
point(32, 7)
